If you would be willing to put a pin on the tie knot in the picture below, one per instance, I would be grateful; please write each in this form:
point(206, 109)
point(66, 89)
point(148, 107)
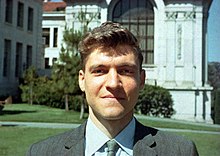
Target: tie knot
point(112, 147)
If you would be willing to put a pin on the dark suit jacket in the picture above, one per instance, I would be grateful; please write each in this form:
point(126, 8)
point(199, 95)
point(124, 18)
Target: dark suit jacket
point(148, 142)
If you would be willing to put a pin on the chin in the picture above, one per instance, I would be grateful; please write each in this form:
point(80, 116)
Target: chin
point(114, 115)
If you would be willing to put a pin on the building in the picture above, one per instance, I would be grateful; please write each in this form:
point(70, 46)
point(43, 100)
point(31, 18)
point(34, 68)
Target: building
point(20, 41)
point(53, 25)
point(172, 37)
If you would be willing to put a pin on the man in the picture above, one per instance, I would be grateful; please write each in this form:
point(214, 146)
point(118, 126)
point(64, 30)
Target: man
point(111, 78)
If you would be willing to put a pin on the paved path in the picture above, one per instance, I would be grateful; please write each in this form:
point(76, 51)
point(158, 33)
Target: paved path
point(39, 124)
point(66, 125)
point(177, 121)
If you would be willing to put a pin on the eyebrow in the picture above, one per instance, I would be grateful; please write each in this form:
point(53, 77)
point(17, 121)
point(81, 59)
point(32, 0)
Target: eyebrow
point(130, 65)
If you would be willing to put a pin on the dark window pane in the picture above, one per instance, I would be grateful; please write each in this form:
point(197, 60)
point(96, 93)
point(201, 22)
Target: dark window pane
point(30, 19)
point(20, 13)
point(29, 56)
point(55, 37)
point(18, 59)
point(7, 57)
point(46, 37)
point(8, 11)
point(138, 17)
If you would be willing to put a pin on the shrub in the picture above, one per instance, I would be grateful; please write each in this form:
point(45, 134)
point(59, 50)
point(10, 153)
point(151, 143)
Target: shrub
point(76, 102)
point(156, 101)
point(216, 101)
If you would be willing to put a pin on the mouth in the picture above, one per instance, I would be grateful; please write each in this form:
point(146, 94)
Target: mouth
point(112, 97)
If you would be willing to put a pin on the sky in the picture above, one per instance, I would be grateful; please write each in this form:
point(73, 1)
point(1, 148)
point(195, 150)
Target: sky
point(213, 36)
point(214, 32)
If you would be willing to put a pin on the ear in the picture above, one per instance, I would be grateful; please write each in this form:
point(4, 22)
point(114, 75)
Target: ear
point(142, 79)
point(81, 80)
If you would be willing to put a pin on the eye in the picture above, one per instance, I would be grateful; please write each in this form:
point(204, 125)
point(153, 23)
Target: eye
point(126, 71)
point(98, 72)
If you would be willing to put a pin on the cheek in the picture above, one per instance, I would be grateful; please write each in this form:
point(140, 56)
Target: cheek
point(132, 90)
point(132, 86)
point(92, 86)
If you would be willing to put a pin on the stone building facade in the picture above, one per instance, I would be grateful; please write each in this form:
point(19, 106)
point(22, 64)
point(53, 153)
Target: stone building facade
point(20, 41)
point(172, 37)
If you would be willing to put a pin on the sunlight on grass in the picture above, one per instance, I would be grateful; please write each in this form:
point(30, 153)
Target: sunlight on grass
point(38, 113)
point(16, 140)
point(207, 144)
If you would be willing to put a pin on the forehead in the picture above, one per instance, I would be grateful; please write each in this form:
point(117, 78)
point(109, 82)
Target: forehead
point(119, 50)
point(98, 58)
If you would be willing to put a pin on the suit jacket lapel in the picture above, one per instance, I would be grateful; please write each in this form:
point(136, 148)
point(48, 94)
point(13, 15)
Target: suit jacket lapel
point(144, 142)
point(75, 144)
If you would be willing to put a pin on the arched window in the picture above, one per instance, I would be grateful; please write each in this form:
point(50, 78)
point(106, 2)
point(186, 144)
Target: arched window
point(138, 17)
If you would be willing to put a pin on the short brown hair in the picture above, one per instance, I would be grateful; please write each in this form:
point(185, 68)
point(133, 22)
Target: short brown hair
point(108, 35)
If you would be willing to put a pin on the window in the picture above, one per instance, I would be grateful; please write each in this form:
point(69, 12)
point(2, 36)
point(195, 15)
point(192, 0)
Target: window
point(30, 19)
point(7, 57)
point(29, 56)
point(8, 11)
point(46, 36)
point(18, 61)
point(138, 17)
point(54, 60)
point(55, 37)
point(46, 65)
point(20, 14)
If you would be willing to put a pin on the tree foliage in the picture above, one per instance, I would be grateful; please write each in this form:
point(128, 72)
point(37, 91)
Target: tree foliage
point(156, 101)
point(63, 84)
point(28, 87)
point(65, 74)
point(71, 38)
point(214, 74)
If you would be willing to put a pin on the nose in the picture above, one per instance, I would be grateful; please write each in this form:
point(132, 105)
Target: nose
point(113, 80)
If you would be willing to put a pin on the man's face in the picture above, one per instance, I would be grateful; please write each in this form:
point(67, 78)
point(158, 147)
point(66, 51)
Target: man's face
point(111, 84)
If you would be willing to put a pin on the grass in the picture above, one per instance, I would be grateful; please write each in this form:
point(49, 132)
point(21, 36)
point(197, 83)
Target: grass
point(38, 113)
point(175, 125)
point(207, 144)
point(16, 140)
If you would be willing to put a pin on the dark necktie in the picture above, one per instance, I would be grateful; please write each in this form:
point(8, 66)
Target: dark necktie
point(112, 147)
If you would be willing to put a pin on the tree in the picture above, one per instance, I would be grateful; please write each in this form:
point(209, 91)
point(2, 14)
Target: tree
point(30, 77)
point(65, 74)
point(214, 74)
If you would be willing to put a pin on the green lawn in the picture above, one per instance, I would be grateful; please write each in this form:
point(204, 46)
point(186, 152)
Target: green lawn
point(207, 144)
point(14, 141)
point(38, 113)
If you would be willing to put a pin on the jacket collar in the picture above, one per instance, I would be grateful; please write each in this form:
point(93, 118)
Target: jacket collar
point(144, 142)
point(75, 144)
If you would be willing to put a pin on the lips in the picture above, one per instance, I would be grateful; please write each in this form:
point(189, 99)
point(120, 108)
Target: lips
point(113, 97)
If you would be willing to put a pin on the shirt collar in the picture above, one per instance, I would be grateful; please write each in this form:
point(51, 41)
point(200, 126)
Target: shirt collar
point(126, 137)
point(94, 142)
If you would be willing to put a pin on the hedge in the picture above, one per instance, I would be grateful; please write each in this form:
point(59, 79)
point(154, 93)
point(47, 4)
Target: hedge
point(155, 101)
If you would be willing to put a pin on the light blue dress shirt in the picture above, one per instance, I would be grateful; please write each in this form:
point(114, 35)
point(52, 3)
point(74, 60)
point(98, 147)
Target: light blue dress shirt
point(96, 139)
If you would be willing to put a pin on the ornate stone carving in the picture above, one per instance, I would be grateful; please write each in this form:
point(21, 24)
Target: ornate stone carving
point(171, 15)
point(179, 41)
point(189, 15)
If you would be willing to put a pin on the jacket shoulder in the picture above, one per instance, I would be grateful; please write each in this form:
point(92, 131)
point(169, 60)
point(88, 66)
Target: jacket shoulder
point(54, 144)
point(164, 143)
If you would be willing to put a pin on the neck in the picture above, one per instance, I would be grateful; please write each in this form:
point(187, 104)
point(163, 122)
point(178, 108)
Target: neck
point(109, 127)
